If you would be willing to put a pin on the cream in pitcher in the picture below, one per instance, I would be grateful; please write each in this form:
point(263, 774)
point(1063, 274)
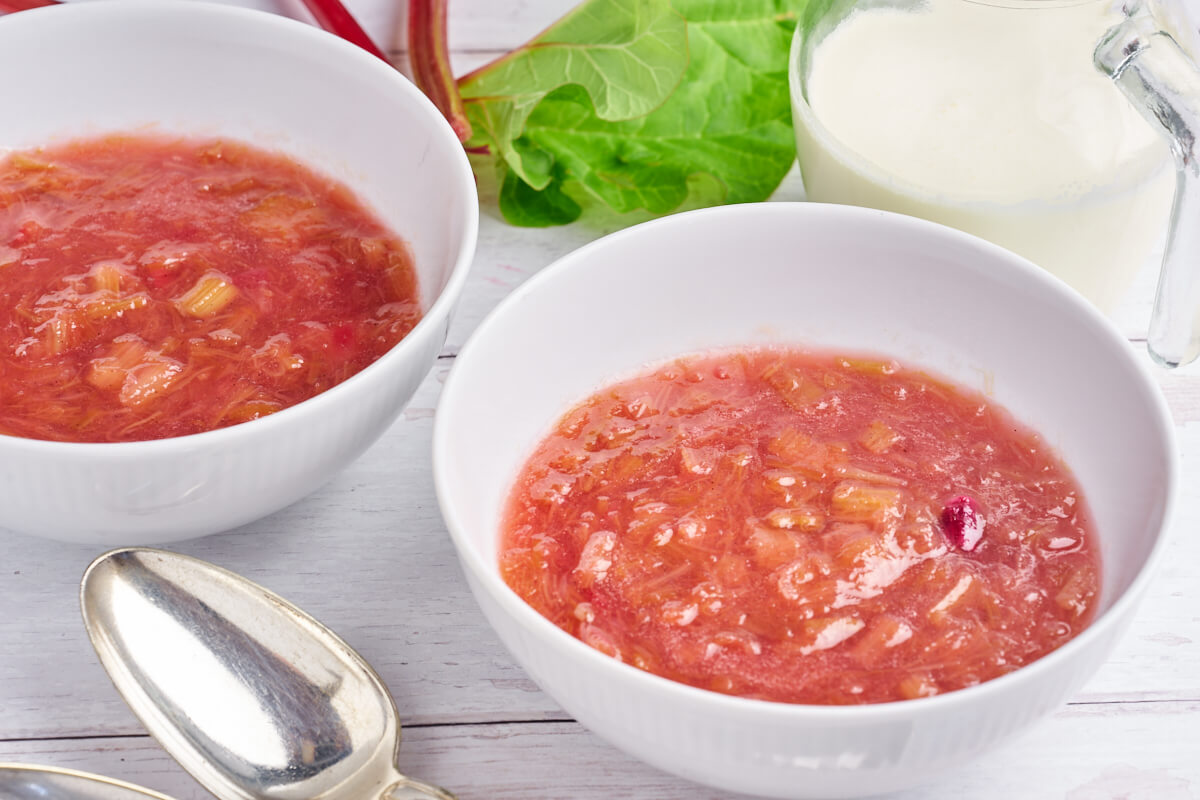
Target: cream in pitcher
point(990, 116)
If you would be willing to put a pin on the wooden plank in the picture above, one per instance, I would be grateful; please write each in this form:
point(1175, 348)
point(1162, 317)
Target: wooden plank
point(1148, 753)
point(369, 556)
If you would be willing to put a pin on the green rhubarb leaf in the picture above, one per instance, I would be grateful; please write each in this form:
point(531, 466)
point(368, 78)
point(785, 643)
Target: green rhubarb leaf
point(523, 205)
point(726, 125)
point(627, 55)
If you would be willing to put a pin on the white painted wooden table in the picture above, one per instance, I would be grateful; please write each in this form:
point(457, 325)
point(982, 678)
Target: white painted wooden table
point(369, 556)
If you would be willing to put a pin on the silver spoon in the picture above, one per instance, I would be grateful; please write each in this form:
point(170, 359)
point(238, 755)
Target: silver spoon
point(27, 782)
point(253, 697)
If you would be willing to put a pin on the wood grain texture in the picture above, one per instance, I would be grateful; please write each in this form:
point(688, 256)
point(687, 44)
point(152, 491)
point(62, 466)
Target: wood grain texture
point(1063, 757)
point(369, 556)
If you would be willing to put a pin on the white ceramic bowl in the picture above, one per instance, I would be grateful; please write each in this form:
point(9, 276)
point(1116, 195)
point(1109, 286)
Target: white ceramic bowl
point(823, 275)
point(205, 70)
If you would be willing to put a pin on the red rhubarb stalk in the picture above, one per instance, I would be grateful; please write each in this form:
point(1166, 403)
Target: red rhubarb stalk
point(430, 57)
point(333, 17)
point(12, 6)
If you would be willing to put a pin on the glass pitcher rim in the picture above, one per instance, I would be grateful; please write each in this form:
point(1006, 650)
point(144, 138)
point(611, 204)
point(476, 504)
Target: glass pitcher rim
point(816, 127)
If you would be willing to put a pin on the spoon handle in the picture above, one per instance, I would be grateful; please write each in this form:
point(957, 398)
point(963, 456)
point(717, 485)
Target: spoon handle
point(409, 789)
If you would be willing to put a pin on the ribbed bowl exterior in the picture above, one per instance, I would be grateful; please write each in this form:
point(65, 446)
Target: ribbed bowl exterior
point(796, 752)
point(777, 273)
point(174, 489)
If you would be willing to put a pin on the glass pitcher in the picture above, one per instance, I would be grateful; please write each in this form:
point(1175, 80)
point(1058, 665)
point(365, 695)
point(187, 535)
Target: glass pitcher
point(1061, 129)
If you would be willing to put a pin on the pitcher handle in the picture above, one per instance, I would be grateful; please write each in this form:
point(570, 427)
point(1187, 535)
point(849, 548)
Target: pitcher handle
point(1159, 78)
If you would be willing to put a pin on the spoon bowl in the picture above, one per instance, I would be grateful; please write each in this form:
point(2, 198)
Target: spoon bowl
point(27, 782)
point(253, 697)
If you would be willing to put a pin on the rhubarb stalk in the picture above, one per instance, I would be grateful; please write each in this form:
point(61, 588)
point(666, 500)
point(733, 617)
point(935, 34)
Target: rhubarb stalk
point(430, 57)
point(12, 6)
point(333, 17)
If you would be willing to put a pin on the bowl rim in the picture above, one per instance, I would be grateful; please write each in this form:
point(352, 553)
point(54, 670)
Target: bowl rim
point(512, 605)
point(305, 37)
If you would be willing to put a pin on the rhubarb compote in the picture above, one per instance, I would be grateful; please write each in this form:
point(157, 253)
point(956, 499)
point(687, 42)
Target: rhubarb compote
point(154, 287)
point(804, 528)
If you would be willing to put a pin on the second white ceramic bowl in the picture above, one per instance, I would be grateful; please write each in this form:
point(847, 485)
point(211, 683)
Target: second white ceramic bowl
point(832, 277)
point(199, 70)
